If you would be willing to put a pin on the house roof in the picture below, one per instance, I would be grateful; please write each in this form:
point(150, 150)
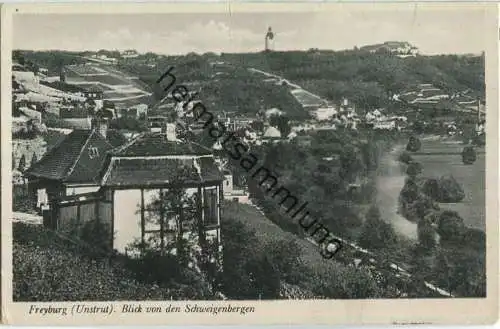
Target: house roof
point(72, 159)
point(144, 171)
point(157, 144)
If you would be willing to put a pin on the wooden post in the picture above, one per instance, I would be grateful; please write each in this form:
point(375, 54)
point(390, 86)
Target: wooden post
point(143, 221)
point(162, 223)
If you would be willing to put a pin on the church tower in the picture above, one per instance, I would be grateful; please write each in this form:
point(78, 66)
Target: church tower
point(269, 40)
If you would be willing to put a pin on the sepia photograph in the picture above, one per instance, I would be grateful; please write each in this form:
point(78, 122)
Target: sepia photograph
point(224, 158)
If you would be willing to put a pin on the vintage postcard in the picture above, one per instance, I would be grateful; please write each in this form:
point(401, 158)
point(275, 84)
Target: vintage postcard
point(249, 163)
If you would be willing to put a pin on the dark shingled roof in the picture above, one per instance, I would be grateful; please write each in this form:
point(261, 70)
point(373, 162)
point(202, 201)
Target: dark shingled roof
point(149, 172)
point(157, 144)
point(72, 161)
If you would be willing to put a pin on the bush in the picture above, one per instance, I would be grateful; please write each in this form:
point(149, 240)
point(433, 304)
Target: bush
point(426, 235)
point(248, 272)
point(54, 274)
point(48, 268)
point(431, 188)
point(450, 190)
point(414, 169)
point(376, 234)
point(469, 155)
point(414, 144)
point(451, 226)
point(405, 157)
point(99, 236)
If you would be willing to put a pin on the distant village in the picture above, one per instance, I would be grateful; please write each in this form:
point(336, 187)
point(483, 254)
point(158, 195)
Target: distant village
point(66, 153)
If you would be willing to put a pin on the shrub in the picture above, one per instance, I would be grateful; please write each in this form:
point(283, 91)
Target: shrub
point(248, 271)
point(426, 235)
point(469, 155)
point(98, 236)
point(450, 190)
point(431, 188)
point(451, 226)
point(48, 268)
point(376, 234)
point(405, 157)
point(414, 144)
point(414, 169)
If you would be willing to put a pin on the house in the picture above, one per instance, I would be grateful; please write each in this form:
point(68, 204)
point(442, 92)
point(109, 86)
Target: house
point(324, 113)
point(130, 53)
point(399, 48)
point(231, 193)
point(123, 187)
point(71, 166)
point(136, 174)
point(93, 92)
point(138, 111)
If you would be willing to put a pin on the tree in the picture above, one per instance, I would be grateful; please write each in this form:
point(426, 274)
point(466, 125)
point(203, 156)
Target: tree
point(426, 235)
point(34, 159)
point(450, 190)
point(469, 155)
point(22, 163)
point(405, 158)
point(414, 144)
point(431, 188)
point(280, 122)
point(178, 245)
point(414, 169)
point(451, 226)
point(376, 234)
point(351, 163)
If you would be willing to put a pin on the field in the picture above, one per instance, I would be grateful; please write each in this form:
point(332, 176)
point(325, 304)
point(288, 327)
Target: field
point(306, 98)
point(117, 85)
point(471, 177)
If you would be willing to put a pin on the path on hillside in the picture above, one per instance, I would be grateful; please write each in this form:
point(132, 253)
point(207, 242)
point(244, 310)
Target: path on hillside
point(296, 86)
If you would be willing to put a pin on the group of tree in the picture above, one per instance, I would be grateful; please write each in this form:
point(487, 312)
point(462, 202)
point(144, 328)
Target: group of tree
point(22, 163)
point(445, 243)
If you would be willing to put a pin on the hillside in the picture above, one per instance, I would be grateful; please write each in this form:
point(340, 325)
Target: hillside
point(245, 83)
point(368, 79)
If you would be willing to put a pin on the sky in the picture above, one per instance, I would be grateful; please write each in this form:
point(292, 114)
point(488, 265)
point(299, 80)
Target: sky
point(434, 30)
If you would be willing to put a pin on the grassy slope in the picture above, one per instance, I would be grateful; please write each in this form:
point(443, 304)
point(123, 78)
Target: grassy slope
point(267, 231)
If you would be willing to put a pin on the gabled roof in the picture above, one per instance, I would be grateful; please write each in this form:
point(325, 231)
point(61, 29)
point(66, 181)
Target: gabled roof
point(153, 160)
point(160, 171)
point(74, 158)
point(157, 144)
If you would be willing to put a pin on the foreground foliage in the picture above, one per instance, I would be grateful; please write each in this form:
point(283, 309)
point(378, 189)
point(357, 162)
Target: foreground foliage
point(48, 268)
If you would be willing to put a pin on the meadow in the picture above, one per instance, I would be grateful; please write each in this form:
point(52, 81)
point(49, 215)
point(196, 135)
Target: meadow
point(472, 178)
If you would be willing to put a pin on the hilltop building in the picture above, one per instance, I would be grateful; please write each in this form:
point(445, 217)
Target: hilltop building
point(399, 48)
point(131, 53)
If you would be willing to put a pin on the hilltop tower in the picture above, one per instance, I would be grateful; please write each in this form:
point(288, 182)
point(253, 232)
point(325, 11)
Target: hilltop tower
point(269, 37)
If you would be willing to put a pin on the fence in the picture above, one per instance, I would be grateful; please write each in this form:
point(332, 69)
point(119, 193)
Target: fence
point(70, 214)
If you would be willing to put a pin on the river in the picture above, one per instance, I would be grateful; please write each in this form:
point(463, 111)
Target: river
point(390, 180)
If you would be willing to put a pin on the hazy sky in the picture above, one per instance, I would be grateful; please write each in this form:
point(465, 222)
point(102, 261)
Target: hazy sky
point(442, 30)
